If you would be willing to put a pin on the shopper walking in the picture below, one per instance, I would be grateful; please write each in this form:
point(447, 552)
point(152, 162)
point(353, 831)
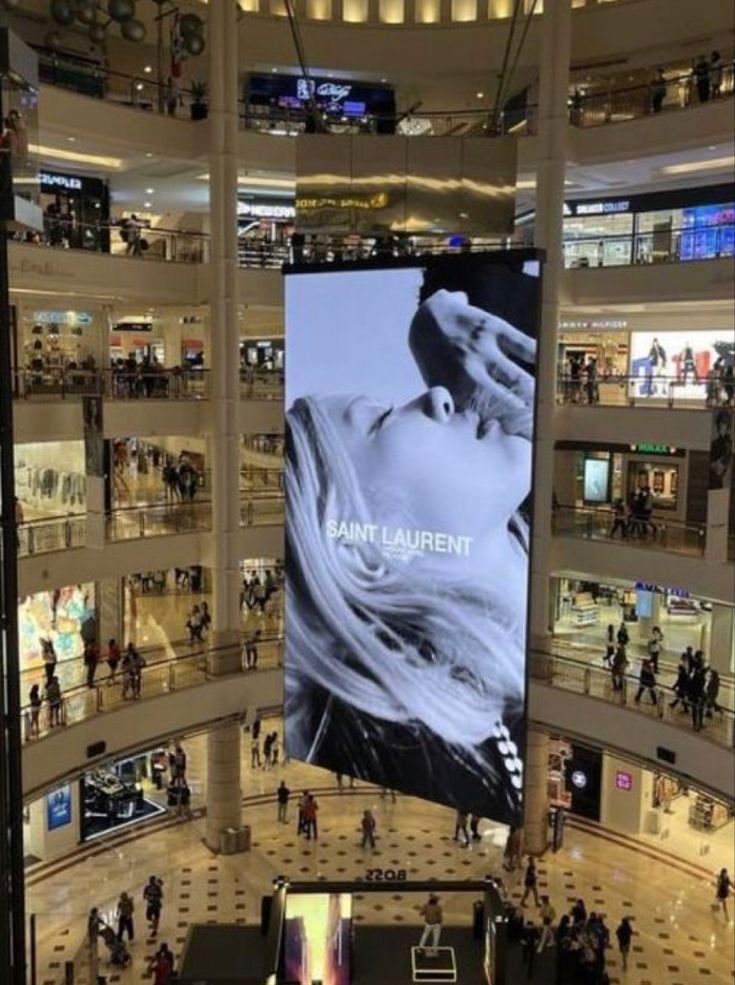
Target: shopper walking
point(530, 883)
point(620, 522)
point(282, 795)
point(433, 916)
point(655, 646)
point(460, 828)
point(724, 885)
point(125, 910)
point(250, 650)
point(255, 762)
point(54, 700)
point(48, 655)
point(647, 682)
point(162, 966)
point(153, 897)
point(624, 934)
point(548, 916)
point(711, 693)
point(475, 827)
point(311, 808)
point(35, 701)
point(702, 71)
point(90, 658)
point(696, 686)
point(658, 91)
point(368, 830)
point(618, 668)
point(113, 659)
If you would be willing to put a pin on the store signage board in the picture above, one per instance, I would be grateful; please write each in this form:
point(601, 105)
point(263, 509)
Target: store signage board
point(623, 780)
point(647, 586)
point(66, 181)
point(653, 448)
point(384, 185)
point(265, 210)
point(406, 634)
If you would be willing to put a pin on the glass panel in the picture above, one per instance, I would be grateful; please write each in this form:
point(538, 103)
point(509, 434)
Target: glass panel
point(355, 11)
point(392, 11)
point(464, 10)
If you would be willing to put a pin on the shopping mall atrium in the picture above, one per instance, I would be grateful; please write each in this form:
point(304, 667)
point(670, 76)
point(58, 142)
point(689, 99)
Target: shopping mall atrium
point(286, 698)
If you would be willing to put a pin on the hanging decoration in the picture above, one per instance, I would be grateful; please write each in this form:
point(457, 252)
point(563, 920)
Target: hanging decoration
point(100, 16)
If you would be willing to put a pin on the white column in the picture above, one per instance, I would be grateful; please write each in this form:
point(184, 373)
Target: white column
point(555, 47)
point(718, 640)
point(224, 795)
point(536, 832)
point(224, 333)
point(223, 747)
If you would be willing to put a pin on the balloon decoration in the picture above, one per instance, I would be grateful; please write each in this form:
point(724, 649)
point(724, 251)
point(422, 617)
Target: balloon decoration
point(98, 16)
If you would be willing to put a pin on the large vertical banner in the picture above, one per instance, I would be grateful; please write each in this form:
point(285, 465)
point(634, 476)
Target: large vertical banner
point(410, 417)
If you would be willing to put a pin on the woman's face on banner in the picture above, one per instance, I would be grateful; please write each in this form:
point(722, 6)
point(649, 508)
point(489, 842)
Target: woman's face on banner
point(427, 466)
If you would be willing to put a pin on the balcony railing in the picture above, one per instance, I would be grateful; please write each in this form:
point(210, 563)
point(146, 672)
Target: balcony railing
point(681, 244)
point(161, 383)
point(138, 241)
point(258, 509)
point(650, 533)
point(47, 536)
point(597, 682)
point(645, 390)
point(159, 676)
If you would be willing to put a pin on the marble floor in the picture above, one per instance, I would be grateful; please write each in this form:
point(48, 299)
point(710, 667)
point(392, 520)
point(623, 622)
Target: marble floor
point(666, 887)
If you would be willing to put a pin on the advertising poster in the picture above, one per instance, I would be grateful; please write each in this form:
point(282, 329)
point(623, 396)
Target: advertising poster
point(596, 480)
point(678, 364)
point(58, 808)
point(318, 938)
point(720, 450)
point(410, 397)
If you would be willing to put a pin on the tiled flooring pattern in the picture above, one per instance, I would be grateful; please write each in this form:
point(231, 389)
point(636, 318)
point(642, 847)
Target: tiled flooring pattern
point(680, 940)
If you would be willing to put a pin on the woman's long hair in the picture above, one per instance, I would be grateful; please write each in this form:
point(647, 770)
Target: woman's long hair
point(373, 633)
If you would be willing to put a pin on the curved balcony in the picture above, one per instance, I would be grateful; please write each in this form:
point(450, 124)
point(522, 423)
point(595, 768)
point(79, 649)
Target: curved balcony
point(161, 674)
point(596, 523)
point(134, 522)
point(567, 696)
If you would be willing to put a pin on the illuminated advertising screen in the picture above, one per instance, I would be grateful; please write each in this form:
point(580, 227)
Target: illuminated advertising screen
point(58, 807)
point(318, 938)
point(410, 394)
point(596, 480)
point(677, 365)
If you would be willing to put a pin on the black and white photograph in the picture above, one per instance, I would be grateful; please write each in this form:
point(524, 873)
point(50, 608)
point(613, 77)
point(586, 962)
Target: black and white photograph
point(410, 394)
point(94, 442)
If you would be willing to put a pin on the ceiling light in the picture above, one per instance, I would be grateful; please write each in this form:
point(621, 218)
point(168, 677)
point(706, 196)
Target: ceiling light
point(480, 95)
point(274, 69)
point(256, 180)
point(71, 139)
point(384, 81)
point(148, 69)
point(109, 163)
point(139, 86)
point(150, 191)
point(149, 153)
point(713, 164)
point(147, 205)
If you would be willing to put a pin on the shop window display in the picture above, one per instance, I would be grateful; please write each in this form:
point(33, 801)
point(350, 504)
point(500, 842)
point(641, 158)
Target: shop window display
point(50, 478)
point(684, 362)
point(65, 616)
point(59, 346)
point(123, 793)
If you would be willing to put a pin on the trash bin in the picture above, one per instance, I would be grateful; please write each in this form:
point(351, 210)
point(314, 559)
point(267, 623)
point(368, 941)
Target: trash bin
point(228, 841)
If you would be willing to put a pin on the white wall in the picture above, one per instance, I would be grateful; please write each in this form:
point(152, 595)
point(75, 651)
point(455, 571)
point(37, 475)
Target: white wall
point(625, 810)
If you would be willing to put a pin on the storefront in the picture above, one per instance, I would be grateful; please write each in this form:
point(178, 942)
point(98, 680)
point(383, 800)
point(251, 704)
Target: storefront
point(50, 479)
point(583, 609)
point(600, 475)
point(167, 337)
point(122, 794)
point(262, 354)
point(66, 616)
point(661, 807)
point(657, 227)
point(279, 103)
point(58, 346)
point(264, 228)
point(76, 211)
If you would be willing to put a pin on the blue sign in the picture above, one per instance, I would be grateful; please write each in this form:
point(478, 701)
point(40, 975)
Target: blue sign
point(58, 808)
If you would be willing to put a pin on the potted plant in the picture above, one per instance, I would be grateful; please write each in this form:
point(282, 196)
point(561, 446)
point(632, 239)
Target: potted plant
point(199, 107)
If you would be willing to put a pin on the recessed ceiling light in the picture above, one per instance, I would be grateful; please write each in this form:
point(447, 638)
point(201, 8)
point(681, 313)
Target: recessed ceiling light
point(148, 69)
point(383, 80)
point(712, 147)
point(480, 95)
point(139, 86)
point(149, 153)
point(111, 163)
point(713, 164)
point(274, 69)
point(147, 205)
point(71, 139)
point(150, 191)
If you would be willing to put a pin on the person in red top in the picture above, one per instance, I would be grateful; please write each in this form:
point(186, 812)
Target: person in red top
point(113, 658)
point(162, 965)
point(310, 811)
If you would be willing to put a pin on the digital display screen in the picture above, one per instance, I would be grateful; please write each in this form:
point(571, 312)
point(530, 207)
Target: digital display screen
point(677, 365)
point(596, 480)
point(352, 108)
point(318, 938)
point(410, 393)
point(58, 808)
